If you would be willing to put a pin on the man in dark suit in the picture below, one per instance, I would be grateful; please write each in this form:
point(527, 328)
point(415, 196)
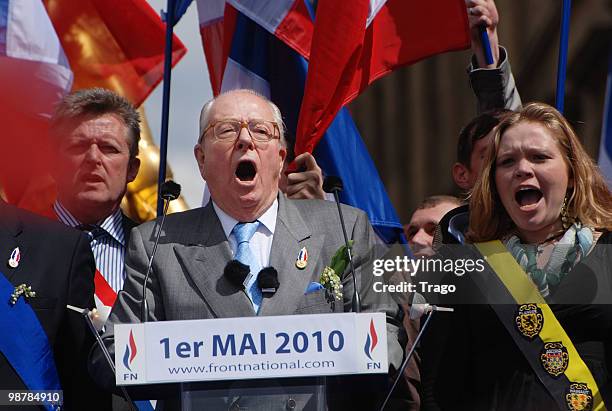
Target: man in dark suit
point(240, 153)
point(96, 133)
point(55, 262)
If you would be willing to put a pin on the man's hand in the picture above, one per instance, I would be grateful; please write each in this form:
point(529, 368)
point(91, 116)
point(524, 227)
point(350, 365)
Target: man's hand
point(483, 13)
point(307, 182)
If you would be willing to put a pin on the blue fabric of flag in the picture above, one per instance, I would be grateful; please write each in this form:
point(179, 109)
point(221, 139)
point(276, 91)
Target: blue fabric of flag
point(341, 152)
point(253, 53)
point(4, 5)
point(180, 7)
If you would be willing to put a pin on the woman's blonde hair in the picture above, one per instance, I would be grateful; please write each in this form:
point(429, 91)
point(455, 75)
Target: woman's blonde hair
point(588, 199)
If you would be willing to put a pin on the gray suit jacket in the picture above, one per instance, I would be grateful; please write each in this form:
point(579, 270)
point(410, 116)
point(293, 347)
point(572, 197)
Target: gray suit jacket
point(187, 279)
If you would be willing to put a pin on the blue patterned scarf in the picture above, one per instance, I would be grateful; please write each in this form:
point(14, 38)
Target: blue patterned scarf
point(575, 244)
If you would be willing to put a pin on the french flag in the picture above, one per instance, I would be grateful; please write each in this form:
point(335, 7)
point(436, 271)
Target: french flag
point(605, 147)
point(353, 43)
point(34, 76)
point(250, 56)
point(30, 50)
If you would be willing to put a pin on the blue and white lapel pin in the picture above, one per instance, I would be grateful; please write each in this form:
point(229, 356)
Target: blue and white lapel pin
point(14, 259)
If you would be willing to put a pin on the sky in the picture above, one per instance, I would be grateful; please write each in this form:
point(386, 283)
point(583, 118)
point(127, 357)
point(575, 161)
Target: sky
point(190, 89)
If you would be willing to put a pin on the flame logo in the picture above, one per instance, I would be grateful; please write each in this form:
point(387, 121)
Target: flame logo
point(130, 352)
point(371, 341)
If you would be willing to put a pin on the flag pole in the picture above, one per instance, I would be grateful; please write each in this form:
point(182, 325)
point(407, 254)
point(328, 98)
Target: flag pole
point(563, 44)
point(486, 44)
point(163, 145)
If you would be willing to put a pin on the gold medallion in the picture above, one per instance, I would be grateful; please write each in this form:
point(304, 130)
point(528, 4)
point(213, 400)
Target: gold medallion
point(579, 397)
point(554, 358)
point(529, 320)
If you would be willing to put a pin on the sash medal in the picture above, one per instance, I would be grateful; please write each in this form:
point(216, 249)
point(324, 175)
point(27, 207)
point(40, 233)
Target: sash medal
point(579, 397)
point(554, 358)
point(529, 320)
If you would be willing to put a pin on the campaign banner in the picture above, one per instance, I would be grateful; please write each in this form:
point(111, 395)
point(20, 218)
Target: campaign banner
point(251, 348)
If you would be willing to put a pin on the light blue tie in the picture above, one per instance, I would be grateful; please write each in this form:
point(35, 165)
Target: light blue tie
point(243, 232)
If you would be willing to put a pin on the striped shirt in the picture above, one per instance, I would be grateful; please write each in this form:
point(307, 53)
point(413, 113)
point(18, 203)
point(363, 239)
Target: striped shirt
point(108, 248)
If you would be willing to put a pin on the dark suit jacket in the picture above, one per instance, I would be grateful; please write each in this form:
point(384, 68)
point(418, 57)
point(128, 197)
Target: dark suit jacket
point(57, 263)
point(128, 224)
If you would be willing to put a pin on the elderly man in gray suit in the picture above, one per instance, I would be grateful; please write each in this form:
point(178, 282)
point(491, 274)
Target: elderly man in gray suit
point(240, 153)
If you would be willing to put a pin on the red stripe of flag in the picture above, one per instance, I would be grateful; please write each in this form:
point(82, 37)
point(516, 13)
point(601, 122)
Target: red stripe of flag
point(345, 57)
point(296, 28)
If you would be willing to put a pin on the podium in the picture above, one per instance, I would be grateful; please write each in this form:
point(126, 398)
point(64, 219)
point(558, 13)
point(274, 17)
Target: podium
point(276, 362)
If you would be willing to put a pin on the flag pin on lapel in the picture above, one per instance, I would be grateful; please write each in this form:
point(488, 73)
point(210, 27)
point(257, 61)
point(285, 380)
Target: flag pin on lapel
point(13, 260)
point(302, 259)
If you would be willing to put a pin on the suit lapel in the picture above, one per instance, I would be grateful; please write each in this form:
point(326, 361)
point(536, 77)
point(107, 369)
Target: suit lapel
point(128, 224)
point(204, 260)
point(10, 233)
point(291, 234)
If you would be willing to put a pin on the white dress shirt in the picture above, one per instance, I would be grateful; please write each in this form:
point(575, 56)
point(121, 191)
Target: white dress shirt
point(108, 250)
point(261, 243)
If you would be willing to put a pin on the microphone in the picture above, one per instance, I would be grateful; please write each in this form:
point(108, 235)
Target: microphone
point(418, 307)
point(333, 184)
point(169, 191)
point(236, 273)
point(267, 280)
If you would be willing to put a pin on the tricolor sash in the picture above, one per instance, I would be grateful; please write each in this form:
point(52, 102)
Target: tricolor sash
point(537, 332)
point(24, 342)
point(104, 296)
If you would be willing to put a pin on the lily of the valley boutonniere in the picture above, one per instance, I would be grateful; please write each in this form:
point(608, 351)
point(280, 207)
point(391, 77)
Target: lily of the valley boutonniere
point(330, 277)
point(22, 289)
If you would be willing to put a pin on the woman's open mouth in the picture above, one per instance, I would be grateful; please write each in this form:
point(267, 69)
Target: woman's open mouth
point(527, 198)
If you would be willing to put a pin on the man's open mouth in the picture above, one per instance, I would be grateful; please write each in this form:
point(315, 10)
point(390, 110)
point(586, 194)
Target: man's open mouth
point(246, 171)
point(91, 178)
point(528, 196)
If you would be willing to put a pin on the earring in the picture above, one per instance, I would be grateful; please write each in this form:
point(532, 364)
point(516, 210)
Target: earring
point(565, 218)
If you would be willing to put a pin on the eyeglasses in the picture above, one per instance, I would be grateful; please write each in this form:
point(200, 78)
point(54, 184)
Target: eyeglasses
point(261, 131)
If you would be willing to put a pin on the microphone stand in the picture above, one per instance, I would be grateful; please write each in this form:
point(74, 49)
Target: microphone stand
point(400, 372)
point(85, 313)
point(144, 308)
point(356, 303)
point(418, 308)
point(333, 184)
point(169, 191)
